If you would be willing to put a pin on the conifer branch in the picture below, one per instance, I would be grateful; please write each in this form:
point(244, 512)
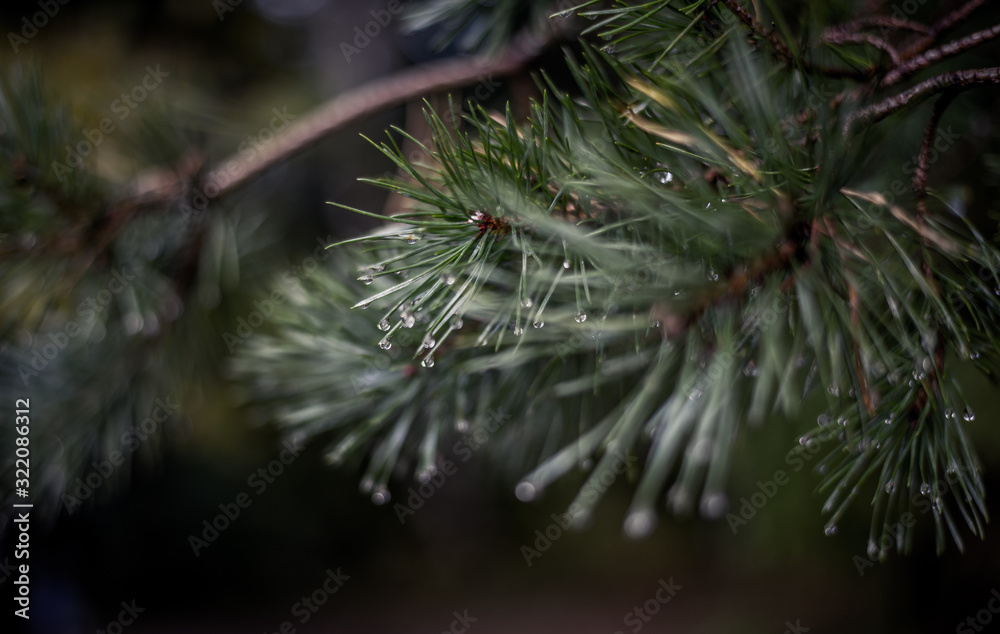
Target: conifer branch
point(379, 95)
point(782, 50)
point(959, 80)
point(864, 38)
point(877, 21)
point(923, 60)
point(945, 23)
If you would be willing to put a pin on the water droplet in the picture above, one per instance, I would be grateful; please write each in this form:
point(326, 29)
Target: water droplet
point(462, 425)
point(925, 489)
point(949, 413)
point(842, 421)
point(457, 323)
point(428, 361)
point(834, 390)
point(566, 264)
point(385, 344)
point(408, 319)
point(750, 369)
point(526, 302)
point(609, 49)
point(429, 342)
point(538, 324)
point(713, 276)
point(518, 331)
point(890, 487)
point(525, 491)
point(639, 524)
point(714, 506)
point(381, 496)
point(366, 279)
point(873, 550)
point(888, 419)
point(695, 394)
point(969, 415)
point(824, 420)
point(448, 279)
point(831, 529)
point(974, 354)
point(426, 475)
point(664, 177)
point(366, 484)
point(411, 238)
point(477, 216)
point(131, 323)
point(581, 316)
point(383, 325)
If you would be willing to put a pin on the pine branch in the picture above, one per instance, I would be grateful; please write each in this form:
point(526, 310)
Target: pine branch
point(876, 21)
point(781, 49)
point(923, 159)
point(944, 24)
point(863, 38)
point(959, 80)
point(376, 96)
point(923, 60)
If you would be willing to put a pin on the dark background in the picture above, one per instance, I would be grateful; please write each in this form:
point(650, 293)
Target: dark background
point(461, 550)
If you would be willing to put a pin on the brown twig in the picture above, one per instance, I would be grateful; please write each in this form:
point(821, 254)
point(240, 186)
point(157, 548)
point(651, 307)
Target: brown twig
point(854, 304)
point(882, 21)
point(375, 96)
point(864, 38)
point(923, 159)
point(923, 60)
point(791, 249)
point(957, 81)
point(945, 23)
point(235, 171)
point(920, 188)
point(781, 49)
